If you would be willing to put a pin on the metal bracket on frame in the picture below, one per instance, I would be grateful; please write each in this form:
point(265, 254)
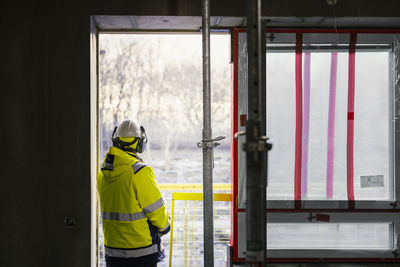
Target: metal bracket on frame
point(318, 217)
point(259, 146)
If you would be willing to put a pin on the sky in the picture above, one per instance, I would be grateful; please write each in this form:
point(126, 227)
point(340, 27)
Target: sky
point(174, 46)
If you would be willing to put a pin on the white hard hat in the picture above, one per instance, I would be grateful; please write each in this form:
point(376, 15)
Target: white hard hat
point(128, 128)
point(129, 136)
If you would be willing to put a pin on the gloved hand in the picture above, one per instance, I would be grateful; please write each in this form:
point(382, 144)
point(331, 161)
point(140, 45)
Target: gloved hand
point(166, 230)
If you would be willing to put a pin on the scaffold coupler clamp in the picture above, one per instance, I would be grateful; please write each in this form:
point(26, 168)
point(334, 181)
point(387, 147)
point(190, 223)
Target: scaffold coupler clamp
point(261, 145)
point(210, 143)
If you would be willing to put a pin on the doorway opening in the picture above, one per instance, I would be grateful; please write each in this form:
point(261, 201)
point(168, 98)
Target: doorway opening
point(156, 79)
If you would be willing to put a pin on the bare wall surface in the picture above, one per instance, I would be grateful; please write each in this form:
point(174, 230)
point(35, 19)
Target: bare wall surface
point(45, 113)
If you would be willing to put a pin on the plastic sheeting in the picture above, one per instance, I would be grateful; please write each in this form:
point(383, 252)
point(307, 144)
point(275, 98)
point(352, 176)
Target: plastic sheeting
point(350, 104)
point(327, 117)
point(331, 126)
point(242, 110)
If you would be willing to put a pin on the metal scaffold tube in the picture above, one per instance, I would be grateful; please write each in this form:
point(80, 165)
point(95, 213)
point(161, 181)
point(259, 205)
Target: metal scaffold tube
point(256, 147)
point(207, 143)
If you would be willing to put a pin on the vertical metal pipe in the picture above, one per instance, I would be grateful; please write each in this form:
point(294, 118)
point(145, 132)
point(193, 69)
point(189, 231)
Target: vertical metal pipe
point(208, 224)
point(255, 151)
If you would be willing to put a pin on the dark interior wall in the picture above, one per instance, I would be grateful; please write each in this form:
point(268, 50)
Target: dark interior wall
point(45, 119)
point(45, 114)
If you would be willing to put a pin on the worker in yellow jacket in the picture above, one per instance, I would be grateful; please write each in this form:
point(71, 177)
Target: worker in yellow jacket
point(133, 210)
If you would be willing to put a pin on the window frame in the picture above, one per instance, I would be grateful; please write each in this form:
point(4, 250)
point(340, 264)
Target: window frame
point(292, 211)
point(335, 217)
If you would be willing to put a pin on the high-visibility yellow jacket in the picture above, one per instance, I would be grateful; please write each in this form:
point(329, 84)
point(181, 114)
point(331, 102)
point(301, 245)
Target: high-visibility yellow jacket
point(132, 207)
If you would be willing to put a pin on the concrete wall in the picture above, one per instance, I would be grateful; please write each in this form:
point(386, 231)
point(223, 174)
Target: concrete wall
point(45, 114)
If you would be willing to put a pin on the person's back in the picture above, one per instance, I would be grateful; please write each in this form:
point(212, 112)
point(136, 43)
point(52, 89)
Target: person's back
point(133, 210)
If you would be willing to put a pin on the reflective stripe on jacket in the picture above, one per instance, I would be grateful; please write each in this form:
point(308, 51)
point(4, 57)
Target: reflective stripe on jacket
point(131, 204)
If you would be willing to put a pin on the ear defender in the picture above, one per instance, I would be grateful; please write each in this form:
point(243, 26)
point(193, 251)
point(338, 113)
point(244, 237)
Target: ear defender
point(142, 140)
point(139, 146)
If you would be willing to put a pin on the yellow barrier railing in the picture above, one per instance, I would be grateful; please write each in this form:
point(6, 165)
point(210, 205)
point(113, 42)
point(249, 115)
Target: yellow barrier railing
point(192, 187)
point(194, 197)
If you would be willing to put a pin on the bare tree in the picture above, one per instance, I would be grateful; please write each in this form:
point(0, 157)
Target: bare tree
point(136, 83)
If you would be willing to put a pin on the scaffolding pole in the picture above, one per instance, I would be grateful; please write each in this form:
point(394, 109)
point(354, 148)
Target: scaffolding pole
point(256, 147)
point(208, 224)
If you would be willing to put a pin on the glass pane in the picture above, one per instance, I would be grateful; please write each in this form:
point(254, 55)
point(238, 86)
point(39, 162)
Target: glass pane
point(371, 126)
point(281, 122)
point(329, 236)
point(325, 118)
point(321, 98)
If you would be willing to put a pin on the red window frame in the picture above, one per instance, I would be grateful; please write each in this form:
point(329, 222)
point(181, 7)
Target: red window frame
point(234, 153)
